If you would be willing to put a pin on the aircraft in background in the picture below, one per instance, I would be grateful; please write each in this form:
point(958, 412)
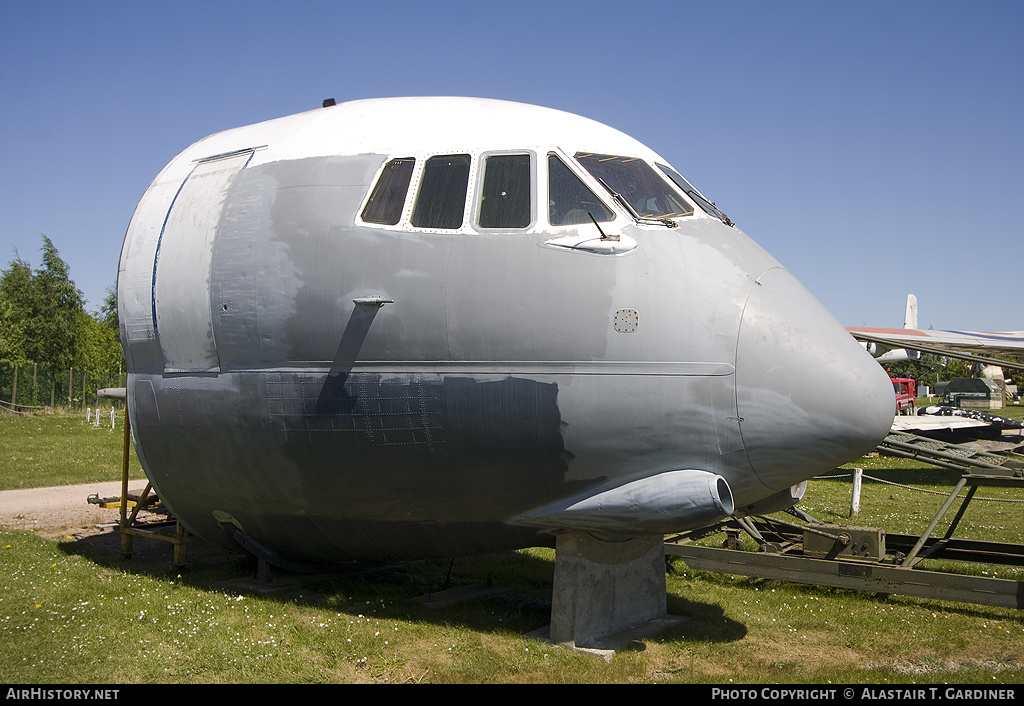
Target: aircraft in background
point(909, 342)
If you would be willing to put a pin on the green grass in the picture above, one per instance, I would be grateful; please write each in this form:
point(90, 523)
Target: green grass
point(41, 451)
point(65, 618)
point(73, 611)
point(903, 495)
point(68, 616)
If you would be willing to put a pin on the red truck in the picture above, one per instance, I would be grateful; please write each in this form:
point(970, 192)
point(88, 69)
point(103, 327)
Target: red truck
point(906, 392)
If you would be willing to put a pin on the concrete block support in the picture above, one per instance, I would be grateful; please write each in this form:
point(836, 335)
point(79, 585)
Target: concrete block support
point(605, 588)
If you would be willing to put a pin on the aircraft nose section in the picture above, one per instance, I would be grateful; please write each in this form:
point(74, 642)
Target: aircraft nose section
point(809, 397)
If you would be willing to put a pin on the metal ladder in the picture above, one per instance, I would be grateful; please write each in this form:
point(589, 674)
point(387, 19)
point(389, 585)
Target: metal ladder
point(954, 456)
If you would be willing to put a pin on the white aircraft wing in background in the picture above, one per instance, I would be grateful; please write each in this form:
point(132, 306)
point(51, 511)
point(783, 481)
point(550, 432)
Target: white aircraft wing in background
point(976, 346)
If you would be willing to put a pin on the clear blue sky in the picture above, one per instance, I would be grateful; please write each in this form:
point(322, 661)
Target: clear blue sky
point(875, 148)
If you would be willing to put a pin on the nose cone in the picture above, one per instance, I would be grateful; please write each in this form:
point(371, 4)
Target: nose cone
point(810, 398)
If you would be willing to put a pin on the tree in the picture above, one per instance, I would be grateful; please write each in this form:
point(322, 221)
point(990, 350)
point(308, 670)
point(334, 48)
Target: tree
point(930, 369)
point(98, 347)
point(925, 370)
point(100, 339)
point(43, 321)
point(41, 315)
point(56, 316)
point(15, 298)
point(108, 310)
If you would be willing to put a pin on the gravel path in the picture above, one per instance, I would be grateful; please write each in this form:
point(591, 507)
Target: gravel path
point(63, 511)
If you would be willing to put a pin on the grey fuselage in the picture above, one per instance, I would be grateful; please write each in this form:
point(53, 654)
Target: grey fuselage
point(335, 389)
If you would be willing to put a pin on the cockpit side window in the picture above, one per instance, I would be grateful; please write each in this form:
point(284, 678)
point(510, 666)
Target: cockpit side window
point(505, 197)
point(388, 196)
point(710, 208)
point(635, 180)
point(441, 201)
point(570, 201)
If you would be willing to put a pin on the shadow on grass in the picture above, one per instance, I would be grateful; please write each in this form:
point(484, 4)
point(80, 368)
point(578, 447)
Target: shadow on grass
point(514, 596)
point(706, 622)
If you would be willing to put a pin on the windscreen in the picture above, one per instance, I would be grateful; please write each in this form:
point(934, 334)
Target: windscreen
point(710, 208)
point(642, 188)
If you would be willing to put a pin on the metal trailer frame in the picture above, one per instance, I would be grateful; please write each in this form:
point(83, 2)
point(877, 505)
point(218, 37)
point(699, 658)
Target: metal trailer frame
point(896, 569)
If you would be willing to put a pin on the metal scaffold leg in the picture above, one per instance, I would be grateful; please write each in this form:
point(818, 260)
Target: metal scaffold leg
point(128, 523)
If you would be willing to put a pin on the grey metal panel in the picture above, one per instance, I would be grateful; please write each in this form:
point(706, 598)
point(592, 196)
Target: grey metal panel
point(788, 347)
point(135, 276)
point(181, 287)
point(288, 262)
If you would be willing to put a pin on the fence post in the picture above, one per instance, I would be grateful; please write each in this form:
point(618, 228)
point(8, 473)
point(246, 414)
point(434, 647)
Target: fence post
point(858, 476)
point(14, 385)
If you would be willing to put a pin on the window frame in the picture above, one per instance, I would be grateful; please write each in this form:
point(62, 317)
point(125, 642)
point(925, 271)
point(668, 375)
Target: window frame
point(478, 191)
point(539, 198)
point(599, 192)
point(412, 203)
point(703, 203)
point(376, 183)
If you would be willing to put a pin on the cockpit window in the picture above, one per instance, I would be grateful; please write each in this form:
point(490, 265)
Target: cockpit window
point(441, 201)
point(388, 197)
point(710, 208)
point(641, 187)
point(505, 200)
point(570, 201)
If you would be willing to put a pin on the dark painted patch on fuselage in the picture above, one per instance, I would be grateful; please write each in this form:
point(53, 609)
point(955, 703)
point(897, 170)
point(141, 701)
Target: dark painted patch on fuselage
point(496, 445)
point(393, 466)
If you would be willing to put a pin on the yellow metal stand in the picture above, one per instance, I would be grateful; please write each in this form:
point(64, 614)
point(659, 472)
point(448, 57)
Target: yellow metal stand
point(129, 529)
